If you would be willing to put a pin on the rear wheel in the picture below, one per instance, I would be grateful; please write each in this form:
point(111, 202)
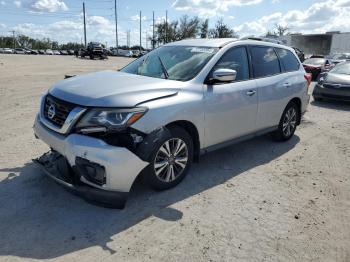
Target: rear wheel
point(171, 161)
point(288, 122)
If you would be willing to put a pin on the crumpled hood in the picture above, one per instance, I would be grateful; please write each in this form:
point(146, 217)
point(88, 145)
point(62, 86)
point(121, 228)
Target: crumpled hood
point(113, 89)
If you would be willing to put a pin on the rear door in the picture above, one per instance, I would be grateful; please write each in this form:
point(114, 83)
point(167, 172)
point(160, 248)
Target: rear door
point(275, 85)
point(230, 108)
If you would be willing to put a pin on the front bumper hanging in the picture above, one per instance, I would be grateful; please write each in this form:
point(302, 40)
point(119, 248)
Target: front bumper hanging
point(57, 167)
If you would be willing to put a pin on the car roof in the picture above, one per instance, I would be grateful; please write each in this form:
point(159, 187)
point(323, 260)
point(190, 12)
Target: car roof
point(220, 42)
point(204, 42)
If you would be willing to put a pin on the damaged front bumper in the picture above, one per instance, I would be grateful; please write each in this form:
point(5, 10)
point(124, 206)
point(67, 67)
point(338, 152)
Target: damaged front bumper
point(95, 170)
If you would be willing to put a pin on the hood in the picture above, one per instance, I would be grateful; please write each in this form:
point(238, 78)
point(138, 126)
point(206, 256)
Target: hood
point(337, 79)
point(113, 89)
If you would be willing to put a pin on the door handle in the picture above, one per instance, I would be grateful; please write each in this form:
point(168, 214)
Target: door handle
point(287, 85)
point(251, 93)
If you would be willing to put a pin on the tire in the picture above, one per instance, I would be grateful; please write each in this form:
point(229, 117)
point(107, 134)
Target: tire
point(288, 123)
point(165, 171)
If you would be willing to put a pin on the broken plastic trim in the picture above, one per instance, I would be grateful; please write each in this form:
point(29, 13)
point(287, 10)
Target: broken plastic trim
point(57, 167)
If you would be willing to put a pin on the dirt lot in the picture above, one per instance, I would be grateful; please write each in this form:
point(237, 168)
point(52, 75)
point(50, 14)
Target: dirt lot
point(255, 201)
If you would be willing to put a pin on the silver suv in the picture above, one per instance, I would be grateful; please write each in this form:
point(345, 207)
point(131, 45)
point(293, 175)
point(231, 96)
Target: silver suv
point(158, 114)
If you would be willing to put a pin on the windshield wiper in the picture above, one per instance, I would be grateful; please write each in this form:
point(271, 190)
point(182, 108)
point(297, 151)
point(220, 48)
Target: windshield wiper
point(166, 74)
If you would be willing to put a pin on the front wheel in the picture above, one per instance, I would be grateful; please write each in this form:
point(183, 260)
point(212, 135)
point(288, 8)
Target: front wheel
point(171, 161)
point(288, 122)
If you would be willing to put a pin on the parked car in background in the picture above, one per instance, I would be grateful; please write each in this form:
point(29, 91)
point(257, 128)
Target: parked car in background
point(7, 51)
point(70, 52)
point(339, 58)
point(122, 52)
point(316, 65)
point(64, 52)
point(136, 53)
point(42, 52)
point(34, 52)
point(334, 84)
point(20, 51)
point(49, 52)
point(159, 113)
point(300, 54)
point(56, 52)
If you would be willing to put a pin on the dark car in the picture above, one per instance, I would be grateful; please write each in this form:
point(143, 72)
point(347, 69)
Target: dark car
point(334, 84)
point(300, 54)
point(316, 65)
point(63, 52)
point(41, 52)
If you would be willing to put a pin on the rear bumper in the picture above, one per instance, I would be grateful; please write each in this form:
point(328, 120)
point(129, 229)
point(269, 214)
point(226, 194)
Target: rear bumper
point(120, 166)
point(331, 93)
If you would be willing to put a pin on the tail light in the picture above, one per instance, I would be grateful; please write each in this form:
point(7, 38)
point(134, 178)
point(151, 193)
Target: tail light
point(308, 78)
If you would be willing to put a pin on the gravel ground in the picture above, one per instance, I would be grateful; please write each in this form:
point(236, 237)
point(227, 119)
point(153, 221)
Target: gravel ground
point(255, 201)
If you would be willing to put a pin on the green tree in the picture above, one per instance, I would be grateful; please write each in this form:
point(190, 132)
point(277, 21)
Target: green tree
point(204, 28)
point(222, 30)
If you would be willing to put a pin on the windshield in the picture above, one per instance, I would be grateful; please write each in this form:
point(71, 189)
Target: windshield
point(172, 62)
point(315, 61)
point(343, 69)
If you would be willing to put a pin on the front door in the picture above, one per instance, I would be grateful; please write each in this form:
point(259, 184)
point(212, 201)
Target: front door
point(231, 108)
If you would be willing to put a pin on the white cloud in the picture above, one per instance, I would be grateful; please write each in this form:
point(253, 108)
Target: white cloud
point(320, 17)
point(17, 3)
point(42, 5)
point(210, 8)
point(137, 18)
point(2, 25)
point(3, 3)
point(49, 5)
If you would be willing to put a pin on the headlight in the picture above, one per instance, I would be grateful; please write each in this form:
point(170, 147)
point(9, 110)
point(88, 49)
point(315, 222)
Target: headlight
point(113, 119)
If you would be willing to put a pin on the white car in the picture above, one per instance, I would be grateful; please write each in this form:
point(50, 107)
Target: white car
point(158, 114)
point(7, 51)
point(49, 52)
point(56, 52)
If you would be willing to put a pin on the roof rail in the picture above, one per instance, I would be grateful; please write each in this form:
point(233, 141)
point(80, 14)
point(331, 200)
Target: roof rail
point(276, 41)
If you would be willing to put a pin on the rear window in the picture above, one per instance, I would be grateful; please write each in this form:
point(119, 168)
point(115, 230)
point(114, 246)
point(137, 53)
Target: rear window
point(265, 61)
point(288, 60)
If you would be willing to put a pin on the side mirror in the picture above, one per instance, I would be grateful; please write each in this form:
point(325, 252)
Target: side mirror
point(224, 75)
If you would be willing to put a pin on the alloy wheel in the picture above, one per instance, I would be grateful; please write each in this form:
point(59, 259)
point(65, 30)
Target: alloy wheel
point(171, 160)
point(289, 121)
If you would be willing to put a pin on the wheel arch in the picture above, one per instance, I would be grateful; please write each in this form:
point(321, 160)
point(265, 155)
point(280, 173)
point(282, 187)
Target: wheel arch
point(192, 130)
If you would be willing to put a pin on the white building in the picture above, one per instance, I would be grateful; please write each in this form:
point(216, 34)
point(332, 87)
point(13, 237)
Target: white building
point(320, 44)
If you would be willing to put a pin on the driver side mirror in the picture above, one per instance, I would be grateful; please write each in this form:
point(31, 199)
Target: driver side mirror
point(223, 76)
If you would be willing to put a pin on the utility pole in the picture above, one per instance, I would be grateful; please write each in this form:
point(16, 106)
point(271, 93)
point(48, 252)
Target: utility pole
point(140, 30)
point(84, 24)
point(166, 26)
point(153, 40)
point(116, 24)
point(13, 38)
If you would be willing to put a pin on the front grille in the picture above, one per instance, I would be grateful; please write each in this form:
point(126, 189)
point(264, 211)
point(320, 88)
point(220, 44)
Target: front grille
point(61, 110)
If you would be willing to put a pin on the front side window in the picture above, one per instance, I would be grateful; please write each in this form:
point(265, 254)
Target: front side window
point(288, 60)
point(180, 63)
point(236, 59)
point(265, 61)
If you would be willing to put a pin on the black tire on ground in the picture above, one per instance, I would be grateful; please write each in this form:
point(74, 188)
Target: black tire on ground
point(282, 133)
point(158, 182)
point(92, 57)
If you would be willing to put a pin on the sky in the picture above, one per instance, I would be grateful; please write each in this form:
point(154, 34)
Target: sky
point(62, 20)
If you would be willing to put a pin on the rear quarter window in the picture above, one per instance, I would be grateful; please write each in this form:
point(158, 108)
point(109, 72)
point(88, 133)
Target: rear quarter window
point(265, 61)
point(288, 60)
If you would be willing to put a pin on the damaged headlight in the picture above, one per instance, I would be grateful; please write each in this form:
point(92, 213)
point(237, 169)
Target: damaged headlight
point(99, 120)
